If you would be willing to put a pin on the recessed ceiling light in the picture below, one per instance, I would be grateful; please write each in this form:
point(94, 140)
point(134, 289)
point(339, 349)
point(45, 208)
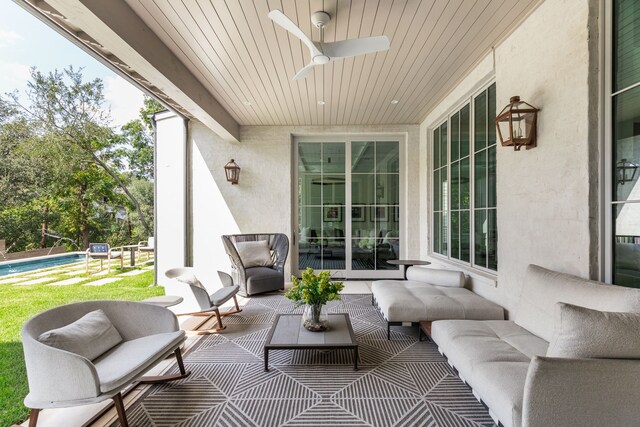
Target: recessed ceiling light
point(321, 102)
point(248, 103)
point(394, 101)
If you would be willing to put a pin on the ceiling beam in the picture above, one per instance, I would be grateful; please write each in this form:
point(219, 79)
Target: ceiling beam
point(114, 25)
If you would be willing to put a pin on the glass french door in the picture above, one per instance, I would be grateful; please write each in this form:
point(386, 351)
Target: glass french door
point(348, 208)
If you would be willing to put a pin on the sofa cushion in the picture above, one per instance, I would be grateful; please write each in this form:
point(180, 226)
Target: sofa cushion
point(131, 359)
point(411, 301)
point(543, 288)
point(584, 333)
point(436, 277)
point(90, 336)
point(255, 254)
point(493, 357)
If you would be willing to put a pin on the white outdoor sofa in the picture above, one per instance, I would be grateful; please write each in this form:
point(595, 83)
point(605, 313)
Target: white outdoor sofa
point(430, 294)
point(588, 376)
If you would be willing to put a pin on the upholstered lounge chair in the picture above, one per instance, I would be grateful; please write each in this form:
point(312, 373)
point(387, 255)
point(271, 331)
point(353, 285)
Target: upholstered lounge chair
point(74, 369)
point(253, 269)
point(209, 304)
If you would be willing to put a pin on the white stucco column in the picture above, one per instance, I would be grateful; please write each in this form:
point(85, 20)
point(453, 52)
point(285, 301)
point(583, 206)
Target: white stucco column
point(170, 194)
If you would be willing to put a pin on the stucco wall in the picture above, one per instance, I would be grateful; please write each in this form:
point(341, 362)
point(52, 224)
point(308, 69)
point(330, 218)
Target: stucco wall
point(545, 195)
point(262, 201)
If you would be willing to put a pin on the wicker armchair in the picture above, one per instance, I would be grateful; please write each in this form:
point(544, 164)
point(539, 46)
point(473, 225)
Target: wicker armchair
point(257, 279)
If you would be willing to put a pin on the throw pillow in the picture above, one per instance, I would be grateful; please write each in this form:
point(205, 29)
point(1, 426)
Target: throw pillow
point(90, 336)
point(255, 254)
point(585, 333)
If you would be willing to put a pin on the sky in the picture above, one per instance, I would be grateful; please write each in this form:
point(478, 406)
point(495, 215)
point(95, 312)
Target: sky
point(26, 42)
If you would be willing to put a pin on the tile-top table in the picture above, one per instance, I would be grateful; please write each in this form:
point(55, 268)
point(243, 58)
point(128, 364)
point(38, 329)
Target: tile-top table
point(287, 333)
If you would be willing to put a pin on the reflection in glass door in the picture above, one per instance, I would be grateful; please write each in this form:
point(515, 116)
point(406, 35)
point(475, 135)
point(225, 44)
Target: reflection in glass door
point(321, 203)
point(349, 207)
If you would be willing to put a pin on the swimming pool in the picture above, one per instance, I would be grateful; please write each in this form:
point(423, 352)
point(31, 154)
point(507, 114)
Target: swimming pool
point(20, 266)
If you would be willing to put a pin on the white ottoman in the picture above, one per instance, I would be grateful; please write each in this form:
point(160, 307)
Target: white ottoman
point(428, 295)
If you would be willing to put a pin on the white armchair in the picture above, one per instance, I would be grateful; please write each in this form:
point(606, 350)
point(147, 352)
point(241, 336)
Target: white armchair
point(61, 378)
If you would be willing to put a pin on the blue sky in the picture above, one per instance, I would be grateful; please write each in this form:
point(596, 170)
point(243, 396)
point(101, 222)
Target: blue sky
point(26, 42)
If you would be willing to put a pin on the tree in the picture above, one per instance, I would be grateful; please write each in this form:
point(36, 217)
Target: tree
point(68, 113)
point(139, 136)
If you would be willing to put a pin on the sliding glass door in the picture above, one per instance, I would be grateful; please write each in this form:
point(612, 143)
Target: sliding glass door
point(349, 206)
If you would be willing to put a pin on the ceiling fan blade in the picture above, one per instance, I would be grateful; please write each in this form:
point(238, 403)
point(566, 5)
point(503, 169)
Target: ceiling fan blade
point(353, 47)
point(302, 74)
point(286, 23)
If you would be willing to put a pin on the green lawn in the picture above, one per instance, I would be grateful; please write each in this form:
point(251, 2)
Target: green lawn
point(19, 303)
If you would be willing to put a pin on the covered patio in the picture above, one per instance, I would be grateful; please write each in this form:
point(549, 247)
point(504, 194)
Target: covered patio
point(361, 159)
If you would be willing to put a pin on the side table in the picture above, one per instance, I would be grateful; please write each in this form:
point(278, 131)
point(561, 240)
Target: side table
point(407, 263)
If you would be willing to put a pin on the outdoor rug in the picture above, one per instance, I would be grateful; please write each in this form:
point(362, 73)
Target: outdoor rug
point(402, 382)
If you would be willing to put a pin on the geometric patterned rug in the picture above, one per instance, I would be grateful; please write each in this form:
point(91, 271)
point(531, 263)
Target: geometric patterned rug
point(402, 382)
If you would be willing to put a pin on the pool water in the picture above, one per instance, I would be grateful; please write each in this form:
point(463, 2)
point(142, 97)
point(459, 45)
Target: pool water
point(20, 266)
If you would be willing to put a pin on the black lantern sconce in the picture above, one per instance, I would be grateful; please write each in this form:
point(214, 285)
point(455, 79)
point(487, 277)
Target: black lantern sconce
point(232, 170)
point(626, 171)
point(516, 124)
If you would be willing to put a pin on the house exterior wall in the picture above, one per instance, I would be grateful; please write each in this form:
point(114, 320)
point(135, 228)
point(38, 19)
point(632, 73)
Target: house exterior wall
point(262, 201)
point(548, 196)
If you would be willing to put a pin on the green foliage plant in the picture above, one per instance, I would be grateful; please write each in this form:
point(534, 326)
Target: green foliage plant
point(314, 289)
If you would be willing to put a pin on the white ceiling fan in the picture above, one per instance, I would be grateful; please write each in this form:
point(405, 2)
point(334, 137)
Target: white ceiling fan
point(321, 52)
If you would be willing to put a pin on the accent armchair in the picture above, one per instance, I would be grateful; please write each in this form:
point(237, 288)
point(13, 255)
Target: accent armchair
point(257, 261)
point(209, 303)
point(88, 352)
point(146, 246)
point(103, 251)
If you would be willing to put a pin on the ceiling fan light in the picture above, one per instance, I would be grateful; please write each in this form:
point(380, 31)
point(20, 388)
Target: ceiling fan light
point(321, 59)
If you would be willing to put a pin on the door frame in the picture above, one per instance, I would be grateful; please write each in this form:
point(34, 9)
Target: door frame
point(347, 139)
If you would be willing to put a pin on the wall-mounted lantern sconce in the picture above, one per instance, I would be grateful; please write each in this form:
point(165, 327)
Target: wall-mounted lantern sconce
point(232, 170)
point(516, 124)
point(626, 171)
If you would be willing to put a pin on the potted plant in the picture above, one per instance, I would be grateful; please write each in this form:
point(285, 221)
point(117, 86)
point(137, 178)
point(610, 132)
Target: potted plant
point(314, 291)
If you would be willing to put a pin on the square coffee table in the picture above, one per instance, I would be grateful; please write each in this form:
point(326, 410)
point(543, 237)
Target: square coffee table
point(287, 333)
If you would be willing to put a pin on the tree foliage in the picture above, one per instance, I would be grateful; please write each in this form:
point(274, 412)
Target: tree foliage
point(66, 172)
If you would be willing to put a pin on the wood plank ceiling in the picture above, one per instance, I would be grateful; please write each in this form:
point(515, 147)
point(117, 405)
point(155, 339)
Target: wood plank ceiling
point(247, 62)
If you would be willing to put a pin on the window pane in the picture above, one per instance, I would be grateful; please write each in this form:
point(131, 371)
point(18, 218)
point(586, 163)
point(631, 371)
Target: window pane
point(464, 131)
point(455, 234)
point(464, 184)
point(333, 189)
point(363, 189)
point(455, 137)
point(480, 121)
point(626, 147)
point(627, 245)
point(388, 189)
point(491, 117)
point(491, 177)
point(626, 40)
point(362, 222)
point(437, 216)
point(333, 157)
point(333, 254)
point(311, 186)
point(443, 144)
point(362, 157)
point(492, 241)
point(465, 236)
point(436, 148)
point(310, 224)
point(480, 254)
point(444, 192)
point(436, 191)
point(387, 157)
point(388, 249)
point(480, 179)
point(455, 185)
point(363, 254)
point(310, 157)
